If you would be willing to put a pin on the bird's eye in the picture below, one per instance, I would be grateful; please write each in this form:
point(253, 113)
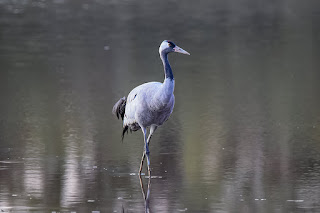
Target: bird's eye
point(171, 44)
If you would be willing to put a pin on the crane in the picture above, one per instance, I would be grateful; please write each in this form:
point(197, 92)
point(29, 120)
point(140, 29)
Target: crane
point(149, 104)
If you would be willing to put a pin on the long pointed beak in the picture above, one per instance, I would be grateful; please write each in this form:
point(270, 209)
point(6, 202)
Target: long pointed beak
point(180, 50)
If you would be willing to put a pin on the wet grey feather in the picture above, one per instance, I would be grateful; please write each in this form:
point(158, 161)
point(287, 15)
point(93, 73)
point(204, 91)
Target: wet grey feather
point(119, 108)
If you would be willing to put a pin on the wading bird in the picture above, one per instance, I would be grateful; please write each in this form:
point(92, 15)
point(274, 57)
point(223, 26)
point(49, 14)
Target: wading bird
point(150, 104)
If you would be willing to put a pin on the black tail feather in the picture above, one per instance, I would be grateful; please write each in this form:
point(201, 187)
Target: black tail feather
point(125, 129)
point(119, 108)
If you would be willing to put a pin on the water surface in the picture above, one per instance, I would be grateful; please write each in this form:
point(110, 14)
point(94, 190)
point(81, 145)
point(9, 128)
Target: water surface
point(244, 135)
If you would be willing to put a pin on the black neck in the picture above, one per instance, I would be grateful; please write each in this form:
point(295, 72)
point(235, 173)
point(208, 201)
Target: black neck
point(167, 68)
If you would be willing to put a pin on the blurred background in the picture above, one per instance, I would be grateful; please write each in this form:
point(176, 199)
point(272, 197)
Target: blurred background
point(244, 135)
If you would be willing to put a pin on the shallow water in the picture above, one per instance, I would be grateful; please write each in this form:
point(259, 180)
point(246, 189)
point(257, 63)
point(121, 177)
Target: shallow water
point(244, 135)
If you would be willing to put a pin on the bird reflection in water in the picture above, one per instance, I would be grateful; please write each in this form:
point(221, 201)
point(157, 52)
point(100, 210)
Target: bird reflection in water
point(146, 197)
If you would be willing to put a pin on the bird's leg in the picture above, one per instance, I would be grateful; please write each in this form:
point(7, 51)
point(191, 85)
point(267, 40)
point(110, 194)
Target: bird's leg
point(152, 129)
point(141, 164)
point(146, 149)
point(148, 157)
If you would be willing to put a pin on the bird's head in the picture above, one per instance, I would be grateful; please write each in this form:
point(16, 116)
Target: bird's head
point(168, 46)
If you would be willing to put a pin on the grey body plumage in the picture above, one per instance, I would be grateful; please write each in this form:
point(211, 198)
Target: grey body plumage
point(150, 104)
